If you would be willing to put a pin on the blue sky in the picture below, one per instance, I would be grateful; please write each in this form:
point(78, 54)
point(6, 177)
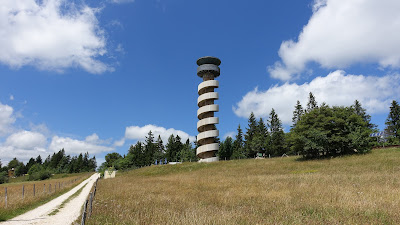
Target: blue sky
point(96, 76)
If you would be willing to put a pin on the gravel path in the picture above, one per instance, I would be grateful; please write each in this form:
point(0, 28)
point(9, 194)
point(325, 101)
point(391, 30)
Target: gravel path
point(66, 215)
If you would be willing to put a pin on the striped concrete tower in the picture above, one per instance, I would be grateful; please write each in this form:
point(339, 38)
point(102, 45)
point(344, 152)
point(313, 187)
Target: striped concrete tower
point(208, 70)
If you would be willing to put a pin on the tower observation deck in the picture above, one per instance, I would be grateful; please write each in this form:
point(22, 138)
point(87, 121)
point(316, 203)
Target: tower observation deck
point(208, 147)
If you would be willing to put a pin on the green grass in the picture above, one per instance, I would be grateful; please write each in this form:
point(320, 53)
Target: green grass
point(358, 189)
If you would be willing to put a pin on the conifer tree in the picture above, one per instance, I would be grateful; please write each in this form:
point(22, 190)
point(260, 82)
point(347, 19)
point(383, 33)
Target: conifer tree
point(259, 143)
point(312, 103)
point(226, 149)
point(248, 137)
point(360, 111)
point(160, 150)
point(393, 120)
point(238, 145)
point(278, 145)
point(297, 113)
point(149, 149)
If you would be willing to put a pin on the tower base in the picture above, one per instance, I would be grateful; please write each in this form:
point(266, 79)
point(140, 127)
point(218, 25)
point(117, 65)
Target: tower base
point(207, 160)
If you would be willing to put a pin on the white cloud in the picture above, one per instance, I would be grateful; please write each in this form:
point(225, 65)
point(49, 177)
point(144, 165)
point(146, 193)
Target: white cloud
point(11, 97)
point(341, 33)
point(9, 152)
point(73, 146)
point(51, 35)
point(119, 143)
point(6, 119)
point(139, 133)
point(23, 145)
point(26, 140)
point(337, 88)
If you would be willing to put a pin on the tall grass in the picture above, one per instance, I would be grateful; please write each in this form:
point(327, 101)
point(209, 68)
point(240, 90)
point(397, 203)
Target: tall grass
point(18, 204)
point(361, 189)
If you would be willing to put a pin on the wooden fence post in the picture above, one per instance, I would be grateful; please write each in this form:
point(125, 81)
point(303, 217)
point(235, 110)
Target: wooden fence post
point(44, 188)
point(6, 196)
point(34, 190)
point(49, 188)
point(84, 213)
point(23, 191)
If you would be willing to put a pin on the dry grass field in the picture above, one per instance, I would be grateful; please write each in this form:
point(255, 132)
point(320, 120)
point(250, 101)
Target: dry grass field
point(44, 191)
point(362, 189)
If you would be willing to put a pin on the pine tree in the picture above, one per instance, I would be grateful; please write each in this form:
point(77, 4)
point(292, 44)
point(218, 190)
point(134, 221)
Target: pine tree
point(137, 152)
point(312, 103)
point(259, 143)
point(250, 133)
point(238, 145)
point(297, 113)
point(278, 145)
point(226, 149)
point(393, 120)
point(360, 111)
point(160, 150)
point(170, 149)
point(149, 149)
point(39, 160)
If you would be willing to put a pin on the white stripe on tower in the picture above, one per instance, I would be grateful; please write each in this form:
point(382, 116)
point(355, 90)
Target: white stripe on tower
point(208, 147)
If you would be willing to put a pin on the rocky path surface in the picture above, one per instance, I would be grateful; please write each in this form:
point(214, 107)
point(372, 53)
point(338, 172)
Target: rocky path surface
point(66, 215)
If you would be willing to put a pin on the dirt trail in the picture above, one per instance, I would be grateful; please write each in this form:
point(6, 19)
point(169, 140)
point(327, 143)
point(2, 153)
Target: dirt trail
point(66, 215)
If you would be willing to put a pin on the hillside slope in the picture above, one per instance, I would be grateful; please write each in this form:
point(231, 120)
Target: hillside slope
point(362, 189)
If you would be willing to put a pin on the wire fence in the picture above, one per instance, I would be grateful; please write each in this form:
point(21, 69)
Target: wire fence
point(88, 205)
point(12, 196)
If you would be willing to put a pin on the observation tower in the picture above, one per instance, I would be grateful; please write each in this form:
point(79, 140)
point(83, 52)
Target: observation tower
point(208, 146)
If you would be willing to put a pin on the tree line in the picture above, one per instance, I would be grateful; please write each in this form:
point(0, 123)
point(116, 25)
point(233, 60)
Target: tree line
point(151, 150)
point(57, 163)
point(317, 131)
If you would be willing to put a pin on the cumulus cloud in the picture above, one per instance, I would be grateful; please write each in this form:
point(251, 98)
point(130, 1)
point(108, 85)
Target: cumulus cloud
point(7, 118)
point(51, 35)
point(341, 33)
point(26, 140)
point(338, 88)
point(23, 145)
point(74, 146)
point(140, 133)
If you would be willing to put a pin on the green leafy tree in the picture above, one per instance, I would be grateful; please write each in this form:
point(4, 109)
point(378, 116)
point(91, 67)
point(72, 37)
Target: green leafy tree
point(393, 121)
point(331, 131)
point(111, 158)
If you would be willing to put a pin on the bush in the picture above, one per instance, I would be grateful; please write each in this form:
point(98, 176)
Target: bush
point(36, 172)
point(3, 177)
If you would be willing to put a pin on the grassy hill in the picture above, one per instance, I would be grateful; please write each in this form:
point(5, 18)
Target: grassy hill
point(362, 189)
